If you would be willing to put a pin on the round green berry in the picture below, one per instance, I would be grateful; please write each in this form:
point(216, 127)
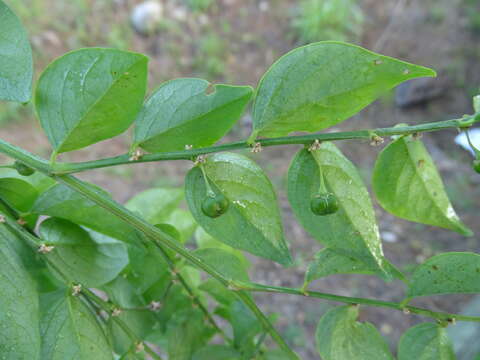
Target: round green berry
point(324, 204)
point(214, 206)
point(23, 169)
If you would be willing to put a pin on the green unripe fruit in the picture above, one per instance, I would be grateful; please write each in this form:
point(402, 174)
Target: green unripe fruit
point(324, 204)
point(214, 206)
point(23, 169)
point(476, 165)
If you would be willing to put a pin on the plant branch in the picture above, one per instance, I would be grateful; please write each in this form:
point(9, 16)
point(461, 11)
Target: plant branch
point(34, 243)
point(162, 238)
point(443, 316)
point(69, 168)
point(190, 292)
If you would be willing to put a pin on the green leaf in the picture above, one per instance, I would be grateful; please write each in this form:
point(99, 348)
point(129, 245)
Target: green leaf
point(319, 85)
point(352, 231)
point(16, 65)
point(427, 341)
point(252, 222)
point(147, 264)
point(225, 263)
point(218, 292)
point(123, 294)
point(448, 273)
point(184, 222)
point(245, 325)
point(217, 352)
point(182, 112)
point(38, 180)
point(205, 241)
point(331, 261)
point(408, 185)
point(161, 206)
point(85, 257)
point(19, 314)
point(156, 204)
point(186, 337)
point(17, 193)
point(62, 202)
point(70, 330)
point(90, 95)
point(339, 337)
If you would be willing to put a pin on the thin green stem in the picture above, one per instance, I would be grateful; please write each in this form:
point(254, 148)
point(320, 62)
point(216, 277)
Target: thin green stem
point(355, 300)
point(190, 292)
point(34, 243)
point(68, 168)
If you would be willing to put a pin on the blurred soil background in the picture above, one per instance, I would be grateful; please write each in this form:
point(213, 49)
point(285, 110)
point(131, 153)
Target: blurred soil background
point(235, 41)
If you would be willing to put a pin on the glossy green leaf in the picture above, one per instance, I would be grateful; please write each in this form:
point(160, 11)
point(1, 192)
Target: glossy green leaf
point(319, 85)
point(16, 65)
point(17, 193)
point(339, 337)
point(331, 261)
point(205, 241)
point(70, 330)
point(90, 95)
point(19, 313)
point(155, 204)
point(225, 263)
point(161, 206)
point(85, 257)
point(408, 185)
point(217, 352)
point(183, 112)
point(352, 231)
point(448, 273)
point(38, 180)
point(184, 222)
point(252, 222)
point(427, 341)
point(62, 202)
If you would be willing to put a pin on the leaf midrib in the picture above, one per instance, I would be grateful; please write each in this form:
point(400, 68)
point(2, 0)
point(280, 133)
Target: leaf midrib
point(72, 130)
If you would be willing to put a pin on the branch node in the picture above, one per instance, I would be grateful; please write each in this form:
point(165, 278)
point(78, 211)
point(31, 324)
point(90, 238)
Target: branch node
point(116, 312)
point(154, 305)
point(200, 159)
point(256, 148)
point(45, 249)
point(376, 140)
point(232, 286)
point(76, 289)
point(406, 311)
point(136, 155)
point(417, 136)
point(139, 347)
point(314, 146)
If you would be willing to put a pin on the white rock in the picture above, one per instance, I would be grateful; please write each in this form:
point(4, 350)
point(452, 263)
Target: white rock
point(389, 236)
point(462, 140)
point(146, 16)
